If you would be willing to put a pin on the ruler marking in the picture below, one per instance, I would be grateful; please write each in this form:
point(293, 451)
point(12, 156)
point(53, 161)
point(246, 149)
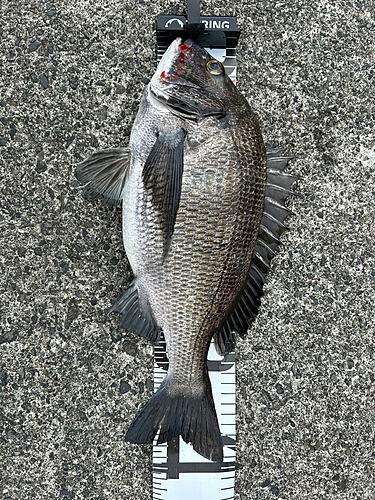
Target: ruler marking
point(227, 488)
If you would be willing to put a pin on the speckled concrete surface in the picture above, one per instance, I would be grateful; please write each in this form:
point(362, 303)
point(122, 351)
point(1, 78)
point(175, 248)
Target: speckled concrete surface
point(71, 77)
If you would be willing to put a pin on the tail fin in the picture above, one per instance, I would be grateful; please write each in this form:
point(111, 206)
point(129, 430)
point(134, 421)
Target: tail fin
point(192, 417)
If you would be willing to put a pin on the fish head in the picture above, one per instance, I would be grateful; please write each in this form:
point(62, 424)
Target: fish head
point(192, 84)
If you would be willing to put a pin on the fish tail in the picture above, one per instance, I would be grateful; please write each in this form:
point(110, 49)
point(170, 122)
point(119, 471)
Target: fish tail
point(180, 414)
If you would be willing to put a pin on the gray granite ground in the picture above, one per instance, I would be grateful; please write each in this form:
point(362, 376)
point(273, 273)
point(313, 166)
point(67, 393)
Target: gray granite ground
point(71, 77)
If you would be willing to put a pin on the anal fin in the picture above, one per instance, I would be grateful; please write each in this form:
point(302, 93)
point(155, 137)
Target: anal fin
point(135, 318)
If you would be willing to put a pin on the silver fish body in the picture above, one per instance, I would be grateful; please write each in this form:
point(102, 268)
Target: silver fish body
point(191, 290)
point(193, 187)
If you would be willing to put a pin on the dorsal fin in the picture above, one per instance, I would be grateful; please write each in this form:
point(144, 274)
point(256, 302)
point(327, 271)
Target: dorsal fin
point(278, 186)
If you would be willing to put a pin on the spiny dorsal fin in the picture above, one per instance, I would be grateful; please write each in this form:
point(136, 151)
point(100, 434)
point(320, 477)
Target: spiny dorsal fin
point(162, 177)
point(105, 173)
point(278, 186)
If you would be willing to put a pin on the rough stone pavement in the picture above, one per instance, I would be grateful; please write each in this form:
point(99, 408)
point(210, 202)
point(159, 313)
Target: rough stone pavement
point(71, 77)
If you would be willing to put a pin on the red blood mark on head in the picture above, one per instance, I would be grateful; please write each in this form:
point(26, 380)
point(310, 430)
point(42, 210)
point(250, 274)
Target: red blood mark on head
point(184, 49)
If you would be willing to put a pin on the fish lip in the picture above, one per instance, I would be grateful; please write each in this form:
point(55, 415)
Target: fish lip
point(163, 104)
point(180, 112)
point(176, 110)
point(161, 82)
point(178, 56)
point(173, 58)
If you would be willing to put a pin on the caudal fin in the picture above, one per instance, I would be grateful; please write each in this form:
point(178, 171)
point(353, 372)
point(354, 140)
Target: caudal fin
point(194, 418)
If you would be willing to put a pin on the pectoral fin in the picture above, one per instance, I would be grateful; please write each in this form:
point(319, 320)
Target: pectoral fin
point(162, 178)
point(105, 173)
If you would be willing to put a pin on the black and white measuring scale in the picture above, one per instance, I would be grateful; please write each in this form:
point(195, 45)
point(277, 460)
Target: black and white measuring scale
point(178, 471)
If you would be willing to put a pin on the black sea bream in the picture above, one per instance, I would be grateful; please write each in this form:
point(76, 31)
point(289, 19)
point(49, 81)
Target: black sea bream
point(202, 215)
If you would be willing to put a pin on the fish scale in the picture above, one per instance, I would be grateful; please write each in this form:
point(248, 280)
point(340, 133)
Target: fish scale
point(193, 186)
point(209, 266)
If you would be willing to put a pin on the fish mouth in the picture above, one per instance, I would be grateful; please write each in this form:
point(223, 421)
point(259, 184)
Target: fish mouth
point(189, 113)
point(183, 109)
point(179, 51)
point(175, 85)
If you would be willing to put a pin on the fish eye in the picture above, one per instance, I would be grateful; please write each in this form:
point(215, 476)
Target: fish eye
point(215, 68)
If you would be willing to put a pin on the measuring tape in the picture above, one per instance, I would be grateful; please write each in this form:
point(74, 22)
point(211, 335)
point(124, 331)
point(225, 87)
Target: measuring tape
point(179, 473)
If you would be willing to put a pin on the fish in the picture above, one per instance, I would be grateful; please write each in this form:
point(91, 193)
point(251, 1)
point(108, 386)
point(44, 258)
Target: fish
point(203, 211)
